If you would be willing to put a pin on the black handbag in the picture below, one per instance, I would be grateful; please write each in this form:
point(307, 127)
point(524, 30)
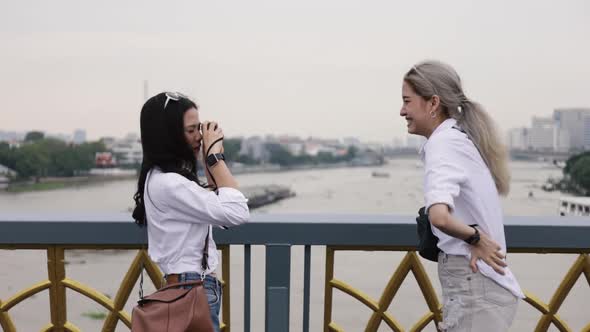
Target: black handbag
point(427, 241)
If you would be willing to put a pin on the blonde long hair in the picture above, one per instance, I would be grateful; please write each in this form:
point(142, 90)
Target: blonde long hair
point(431, 78)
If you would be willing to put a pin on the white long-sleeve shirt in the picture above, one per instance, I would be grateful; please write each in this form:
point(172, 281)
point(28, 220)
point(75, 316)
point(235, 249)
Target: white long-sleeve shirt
point(456, 175)
point(179, 213)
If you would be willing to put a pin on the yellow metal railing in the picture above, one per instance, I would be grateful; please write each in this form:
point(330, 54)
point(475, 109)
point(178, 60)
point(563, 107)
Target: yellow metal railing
point(57, 283)
point(412, 263)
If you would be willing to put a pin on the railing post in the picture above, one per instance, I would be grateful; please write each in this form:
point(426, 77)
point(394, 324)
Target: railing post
point(278, 272)
point(57, 292)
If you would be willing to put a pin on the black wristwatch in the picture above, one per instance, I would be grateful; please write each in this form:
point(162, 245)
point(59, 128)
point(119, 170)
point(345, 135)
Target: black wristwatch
point(213, 158)
point(473, 239)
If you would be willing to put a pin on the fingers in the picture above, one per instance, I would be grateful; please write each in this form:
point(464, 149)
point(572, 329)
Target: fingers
point(496, 268)
point(472, 263)
point(211, 129)
point(498, 260)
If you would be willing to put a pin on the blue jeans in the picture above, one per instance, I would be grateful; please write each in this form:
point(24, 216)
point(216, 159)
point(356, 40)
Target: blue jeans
point(212, 288)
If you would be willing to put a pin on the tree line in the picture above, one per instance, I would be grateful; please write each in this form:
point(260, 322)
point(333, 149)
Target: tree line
point(39, 157)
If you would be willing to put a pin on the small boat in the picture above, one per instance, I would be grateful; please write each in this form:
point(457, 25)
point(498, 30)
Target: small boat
point(377, 174)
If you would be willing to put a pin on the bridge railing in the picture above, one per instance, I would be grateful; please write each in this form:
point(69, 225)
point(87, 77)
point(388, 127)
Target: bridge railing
point(57, 234)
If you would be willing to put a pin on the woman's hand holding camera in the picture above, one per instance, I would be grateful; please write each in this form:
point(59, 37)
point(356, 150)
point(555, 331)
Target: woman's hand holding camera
point(212, 138)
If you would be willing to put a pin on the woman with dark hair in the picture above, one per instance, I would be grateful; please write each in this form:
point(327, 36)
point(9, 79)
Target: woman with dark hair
point(465, 172)
point(178, 209)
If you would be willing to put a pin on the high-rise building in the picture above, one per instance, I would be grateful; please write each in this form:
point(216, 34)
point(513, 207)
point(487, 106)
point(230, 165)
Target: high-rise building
point(542, 134)
point(572, 128)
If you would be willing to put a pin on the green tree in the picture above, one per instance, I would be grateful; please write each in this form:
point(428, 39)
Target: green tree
point(49, 157)
point(280, 155)
point(580, 173)
point(572, 160)
point(231, 148)
point(6, 155)
point(32, 136)
point(352, 152)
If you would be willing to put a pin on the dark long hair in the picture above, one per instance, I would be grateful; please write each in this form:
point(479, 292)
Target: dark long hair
point(164, 145)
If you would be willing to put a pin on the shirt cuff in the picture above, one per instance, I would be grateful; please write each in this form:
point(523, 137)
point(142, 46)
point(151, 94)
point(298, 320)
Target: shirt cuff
point(436, 197)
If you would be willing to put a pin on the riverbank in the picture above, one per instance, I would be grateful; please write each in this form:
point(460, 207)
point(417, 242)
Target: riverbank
point(52, 183)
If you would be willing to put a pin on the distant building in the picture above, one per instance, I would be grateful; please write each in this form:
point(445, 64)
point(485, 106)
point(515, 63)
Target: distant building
point(79, 136)
point(128, 151)
point(518, 138)
point(11, 136)
point(542, 134)
point(352, 141)
point(5, 171)
point(415, 142)
point(104, 159)
point(108, 142)
point(293, 144)
point(255, 148)
point(572, 129)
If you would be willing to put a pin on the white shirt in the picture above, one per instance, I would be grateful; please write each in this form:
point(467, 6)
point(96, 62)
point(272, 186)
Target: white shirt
point(179, 213)
point(456, 175)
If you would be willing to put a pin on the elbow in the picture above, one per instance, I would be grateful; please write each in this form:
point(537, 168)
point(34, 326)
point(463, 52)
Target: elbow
point(237, 217)
point(439, 216)
point(438, 222)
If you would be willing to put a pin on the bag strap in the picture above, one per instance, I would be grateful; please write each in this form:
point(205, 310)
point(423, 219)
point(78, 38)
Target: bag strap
point(205, 259)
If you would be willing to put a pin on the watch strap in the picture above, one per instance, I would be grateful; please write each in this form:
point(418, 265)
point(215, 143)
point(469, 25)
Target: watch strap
point(473, 239)
point(213, 158)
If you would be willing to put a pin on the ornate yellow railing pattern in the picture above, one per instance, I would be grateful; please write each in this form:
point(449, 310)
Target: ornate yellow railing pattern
point(57, 283)
point(411, 263)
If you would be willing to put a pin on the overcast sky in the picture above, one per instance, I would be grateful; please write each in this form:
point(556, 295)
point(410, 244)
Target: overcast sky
point(326, 68)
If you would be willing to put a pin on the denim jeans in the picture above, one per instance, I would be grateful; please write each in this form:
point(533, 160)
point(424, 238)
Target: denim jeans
point(472, 301)
point(212, 288)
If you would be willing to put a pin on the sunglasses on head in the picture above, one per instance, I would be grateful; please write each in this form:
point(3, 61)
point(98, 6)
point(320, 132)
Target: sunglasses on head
point(175, 96)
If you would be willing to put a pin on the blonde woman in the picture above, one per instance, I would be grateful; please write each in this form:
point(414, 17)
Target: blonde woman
point(465, 171)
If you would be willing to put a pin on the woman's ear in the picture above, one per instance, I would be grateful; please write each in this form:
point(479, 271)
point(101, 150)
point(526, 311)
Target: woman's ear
point(435, 101)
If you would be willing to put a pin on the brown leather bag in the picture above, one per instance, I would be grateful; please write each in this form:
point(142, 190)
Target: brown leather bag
point(173, 309)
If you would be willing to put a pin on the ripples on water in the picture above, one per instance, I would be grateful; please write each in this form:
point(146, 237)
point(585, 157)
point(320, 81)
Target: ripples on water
point(343, 190)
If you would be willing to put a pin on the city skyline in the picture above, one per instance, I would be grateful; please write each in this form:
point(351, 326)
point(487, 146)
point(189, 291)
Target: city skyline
point(311, 68)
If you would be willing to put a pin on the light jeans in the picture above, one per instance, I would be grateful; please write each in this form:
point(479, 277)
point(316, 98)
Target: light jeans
point(472, 301)
point(212, 288)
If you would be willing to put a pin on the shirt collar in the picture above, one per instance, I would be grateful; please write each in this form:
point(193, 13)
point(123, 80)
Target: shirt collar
point(448, 123)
